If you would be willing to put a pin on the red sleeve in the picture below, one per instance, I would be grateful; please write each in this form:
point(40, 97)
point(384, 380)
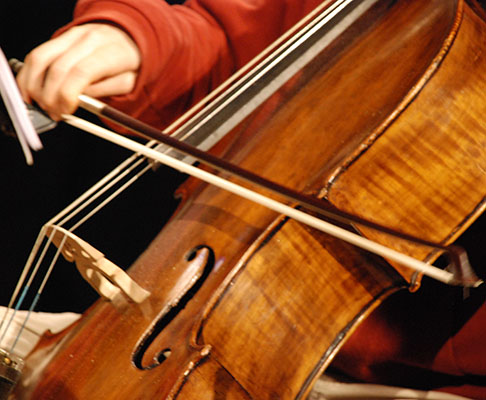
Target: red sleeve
point(188, 50)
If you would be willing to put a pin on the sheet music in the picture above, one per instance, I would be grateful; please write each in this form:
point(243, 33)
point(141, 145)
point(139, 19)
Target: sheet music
point(28, 137)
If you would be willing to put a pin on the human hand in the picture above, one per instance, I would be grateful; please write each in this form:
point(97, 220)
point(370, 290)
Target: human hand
point(94, 59)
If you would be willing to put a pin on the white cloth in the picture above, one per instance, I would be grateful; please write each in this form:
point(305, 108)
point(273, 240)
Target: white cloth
point(37, 324)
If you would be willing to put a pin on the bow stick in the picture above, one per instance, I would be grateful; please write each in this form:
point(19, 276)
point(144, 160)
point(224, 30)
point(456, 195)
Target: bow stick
point(463, 274)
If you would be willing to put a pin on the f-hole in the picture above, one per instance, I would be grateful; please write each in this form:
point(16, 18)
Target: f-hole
point(173, 311)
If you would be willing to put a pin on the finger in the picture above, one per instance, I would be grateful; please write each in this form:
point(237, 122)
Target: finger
point(65, 67)
point(31, 77)
point(116, 85)
point(101, 64)
point(59, 70)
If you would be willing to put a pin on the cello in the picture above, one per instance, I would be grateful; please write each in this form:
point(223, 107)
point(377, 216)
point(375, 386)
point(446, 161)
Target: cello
point(263, 290)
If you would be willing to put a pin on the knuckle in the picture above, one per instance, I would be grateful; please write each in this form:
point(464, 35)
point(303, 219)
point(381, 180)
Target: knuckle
point(35, 92)
point(57, 70)
point(64, 96)
point(67, 100)
point(128, 82)
point(46, 102)
point(96, 34)
point(34, 57)
point(80, 70)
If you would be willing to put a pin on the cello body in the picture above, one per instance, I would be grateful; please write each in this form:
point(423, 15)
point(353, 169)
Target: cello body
point(248, 304)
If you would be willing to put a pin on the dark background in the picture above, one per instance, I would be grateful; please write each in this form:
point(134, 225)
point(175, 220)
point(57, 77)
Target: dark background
point(70, 163)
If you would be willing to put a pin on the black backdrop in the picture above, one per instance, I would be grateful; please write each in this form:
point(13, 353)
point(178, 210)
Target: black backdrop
point(70, 163)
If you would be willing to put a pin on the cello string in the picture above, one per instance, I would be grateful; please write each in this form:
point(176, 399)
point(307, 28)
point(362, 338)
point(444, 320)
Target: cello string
point(323, 18)
point(275, 71)
point(73, 209)
point(302, 28)
point(81, 203)
point(359, 241)
point(110, 198)
point(67, 214)
point(34, 301)
point(103, 190)
point(185, 123)
point(232, 118)
point(458, 257)
point(108, 201)
point(25, 289)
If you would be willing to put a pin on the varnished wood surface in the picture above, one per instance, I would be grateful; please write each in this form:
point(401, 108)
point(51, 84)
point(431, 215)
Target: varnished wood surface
point(426, 174)
point(281, 298)
point(290, 330)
